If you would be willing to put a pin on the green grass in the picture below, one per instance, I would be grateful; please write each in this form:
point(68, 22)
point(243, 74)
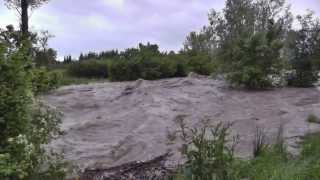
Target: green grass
point(274, 165)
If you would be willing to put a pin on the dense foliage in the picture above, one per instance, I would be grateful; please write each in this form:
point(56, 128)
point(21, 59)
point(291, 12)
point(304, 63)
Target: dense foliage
point(39, 55)
point(246, 40)
point(145, 62)
point(150, 69)
point(255, 62)
point(254, 45)
point(89, 69)
point(25, 125)
point(44, 80)
point(305, 52)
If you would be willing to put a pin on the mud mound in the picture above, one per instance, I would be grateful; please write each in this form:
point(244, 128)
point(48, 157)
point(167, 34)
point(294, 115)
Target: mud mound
point(109, 124)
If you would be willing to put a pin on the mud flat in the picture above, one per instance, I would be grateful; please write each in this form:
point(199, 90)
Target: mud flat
point(109, 124)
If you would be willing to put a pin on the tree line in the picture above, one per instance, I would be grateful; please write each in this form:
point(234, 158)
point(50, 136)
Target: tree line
point(251, 43)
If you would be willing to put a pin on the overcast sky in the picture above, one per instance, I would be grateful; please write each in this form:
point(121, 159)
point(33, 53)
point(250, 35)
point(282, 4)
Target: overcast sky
point(82, 25)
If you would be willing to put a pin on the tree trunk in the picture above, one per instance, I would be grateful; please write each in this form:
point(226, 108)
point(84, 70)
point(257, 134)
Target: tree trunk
point(24, 18)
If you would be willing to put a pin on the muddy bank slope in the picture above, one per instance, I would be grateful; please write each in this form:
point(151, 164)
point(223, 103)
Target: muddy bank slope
point(115, 123)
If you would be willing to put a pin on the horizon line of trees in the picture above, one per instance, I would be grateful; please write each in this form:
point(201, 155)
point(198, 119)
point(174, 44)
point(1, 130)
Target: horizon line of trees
point(115, 53)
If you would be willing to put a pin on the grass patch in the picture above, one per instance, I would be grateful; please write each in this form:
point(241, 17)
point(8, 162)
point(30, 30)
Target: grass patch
point(272, 162)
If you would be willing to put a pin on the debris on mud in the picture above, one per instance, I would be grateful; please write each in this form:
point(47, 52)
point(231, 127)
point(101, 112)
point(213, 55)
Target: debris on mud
point(154, 169)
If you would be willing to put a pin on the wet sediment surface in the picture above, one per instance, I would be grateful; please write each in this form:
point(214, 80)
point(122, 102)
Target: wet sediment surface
point(109, 124)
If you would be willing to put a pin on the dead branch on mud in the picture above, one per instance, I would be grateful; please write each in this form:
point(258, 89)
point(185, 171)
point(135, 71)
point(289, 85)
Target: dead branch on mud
point(154, 169)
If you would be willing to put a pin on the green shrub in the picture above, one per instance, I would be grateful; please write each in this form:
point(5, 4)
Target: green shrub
point(44, 80)
point(302, 76)
point(207, 153)
point(250, 77)
point(89, 69)
point(25, 125)
point(313, 119)
point(124, 70)
point(201, 64)
point(254, 61)
point(163, 67)
point(181, 69)
point(173, 66)
point(146, 63)
point(166, 67)
point(15, 94)
point(149, 69)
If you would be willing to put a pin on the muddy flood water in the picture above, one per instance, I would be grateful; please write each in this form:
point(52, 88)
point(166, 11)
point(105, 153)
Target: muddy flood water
point(113, 123)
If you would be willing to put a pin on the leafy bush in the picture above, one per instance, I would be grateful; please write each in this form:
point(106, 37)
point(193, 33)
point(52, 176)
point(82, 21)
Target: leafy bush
point(254, 61)
point(25, 126)
point(162, 67)
point(207, 153)
point(124, 70)
point(89, 69)
point(201, 64)
point(173, 66)
point(149, 69)
point(15, 94)
point(44, 80)
point(145, 62)
point(302, 78)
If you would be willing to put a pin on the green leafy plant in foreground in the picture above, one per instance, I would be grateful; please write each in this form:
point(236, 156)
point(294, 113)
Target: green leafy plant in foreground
point(25, 125)
point(210, 158)
point(208, 154)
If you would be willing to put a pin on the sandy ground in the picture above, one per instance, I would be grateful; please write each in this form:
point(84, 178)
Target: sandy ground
point(114, 123)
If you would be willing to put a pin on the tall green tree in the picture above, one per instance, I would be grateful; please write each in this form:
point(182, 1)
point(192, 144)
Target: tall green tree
point(198, 41)
point(247, 40)
point(306, 51)
point(43, 55)
point(239, 19)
